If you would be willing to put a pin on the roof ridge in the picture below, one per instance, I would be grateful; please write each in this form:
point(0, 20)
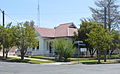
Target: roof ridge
point(64, 24)
point(44, 27)
point(67, 23)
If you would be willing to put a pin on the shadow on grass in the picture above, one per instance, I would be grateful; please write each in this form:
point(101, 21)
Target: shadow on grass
point(118, 61)
point(18, 60)
point(91, 62)
point(10, 59)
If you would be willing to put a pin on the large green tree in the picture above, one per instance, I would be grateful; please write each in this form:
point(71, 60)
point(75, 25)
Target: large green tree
point(25, 37)
point(100, 39)
point(85, 28)
point(64, 48)
point(113, 13)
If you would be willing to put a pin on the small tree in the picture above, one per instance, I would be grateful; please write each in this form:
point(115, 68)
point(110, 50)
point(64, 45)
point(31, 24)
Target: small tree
point(25, 37)
point(64, 48)
point(100, 39)
point(2, 34)
point(9, 39)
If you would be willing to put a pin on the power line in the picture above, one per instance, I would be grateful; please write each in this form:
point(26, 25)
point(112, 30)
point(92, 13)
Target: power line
point(8, 16)
point(1, 10)
point(11, 18)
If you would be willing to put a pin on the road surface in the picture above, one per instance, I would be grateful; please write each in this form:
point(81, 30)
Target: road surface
point(24, 68)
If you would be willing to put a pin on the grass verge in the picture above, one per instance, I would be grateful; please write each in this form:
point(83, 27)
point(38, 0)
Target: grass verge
point(73, 60)
point(110, 61)
point(43, 57)
point(11, 59)
point(53, 58)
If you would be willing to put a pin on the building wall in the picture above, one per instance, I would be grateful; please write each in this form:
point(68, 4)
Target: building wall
point(44, 48)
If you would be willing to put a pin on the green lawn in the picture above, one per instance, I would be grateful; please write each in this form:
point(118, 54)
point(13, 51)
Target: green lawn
point(38, 62)
point(52, 59)
point(43, 57)
point(81, 60)
point(110, 61)
point(11, 59)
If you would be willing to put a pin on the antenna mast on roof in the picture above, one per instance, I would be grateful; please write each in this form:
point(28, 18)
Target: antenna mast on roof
point(38, 15)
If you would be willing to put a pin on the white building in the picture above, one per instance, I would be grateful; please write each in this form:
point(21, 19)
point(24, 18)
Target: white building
point(46, 34)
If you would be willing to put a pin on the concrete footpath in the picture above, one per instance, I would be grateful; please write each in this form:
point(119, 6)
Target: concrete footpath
point(29, 58)
point(52, 62)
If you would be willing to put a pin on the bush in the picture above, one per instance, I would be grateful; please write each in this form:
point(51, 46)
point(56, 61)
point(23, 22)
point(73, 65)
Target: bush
point(64, 48)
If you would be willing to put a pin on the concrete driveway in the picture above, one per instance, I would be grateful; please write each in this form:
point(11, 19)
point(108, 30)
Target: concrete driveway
point(23, 68)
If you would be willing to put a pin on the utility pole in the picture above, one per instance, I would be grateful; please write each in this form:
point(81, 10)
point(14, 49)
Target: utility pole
point(3, 18)
point(3, 26)
point(105, 24)
point(105, 27)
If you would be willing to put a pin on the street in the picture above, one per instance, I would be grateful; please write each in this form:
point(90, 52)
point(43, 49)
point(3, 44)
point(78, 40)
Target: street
point(23, 68)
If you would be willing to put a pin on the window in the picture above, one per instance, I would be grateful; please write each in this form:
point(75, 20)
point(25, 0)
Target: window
point(38, 46)
point(49, 47)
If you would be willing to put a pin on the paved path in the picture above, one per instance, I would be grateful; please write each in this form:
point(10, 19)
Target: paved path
point(52, 63)
point(29, 58)
point(23, 68)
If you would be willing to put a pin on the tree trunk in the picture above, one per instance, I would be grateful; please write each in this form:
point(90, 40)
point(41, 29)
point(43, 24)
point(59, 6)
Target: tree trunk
point(65, 59)
point(91, 51)
point(22, 53)
point(111, 53)
point(98, 55)
point(105, 55)
point(91, 55)
point(3, 52)
point(59, 58)
point(22, 57)
point(6, 55)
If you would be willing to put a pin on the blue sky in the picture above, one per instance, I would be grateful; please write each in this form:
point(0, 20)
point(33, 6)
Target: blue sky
point(52, 12)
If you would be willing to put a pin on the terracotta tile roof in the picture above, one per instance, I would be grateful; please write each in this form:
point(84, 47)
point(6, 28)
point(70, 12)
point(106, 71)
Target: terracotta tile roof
point(63, 30)
point(45, 32)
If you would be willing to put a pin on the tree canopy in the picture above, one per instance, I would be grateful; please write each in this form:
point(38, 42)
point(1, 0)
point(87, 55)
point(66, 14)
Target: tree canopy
point(113, 14)
point(7, 39)
point(25, 37)
point(100, 39)
point(85, 29)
